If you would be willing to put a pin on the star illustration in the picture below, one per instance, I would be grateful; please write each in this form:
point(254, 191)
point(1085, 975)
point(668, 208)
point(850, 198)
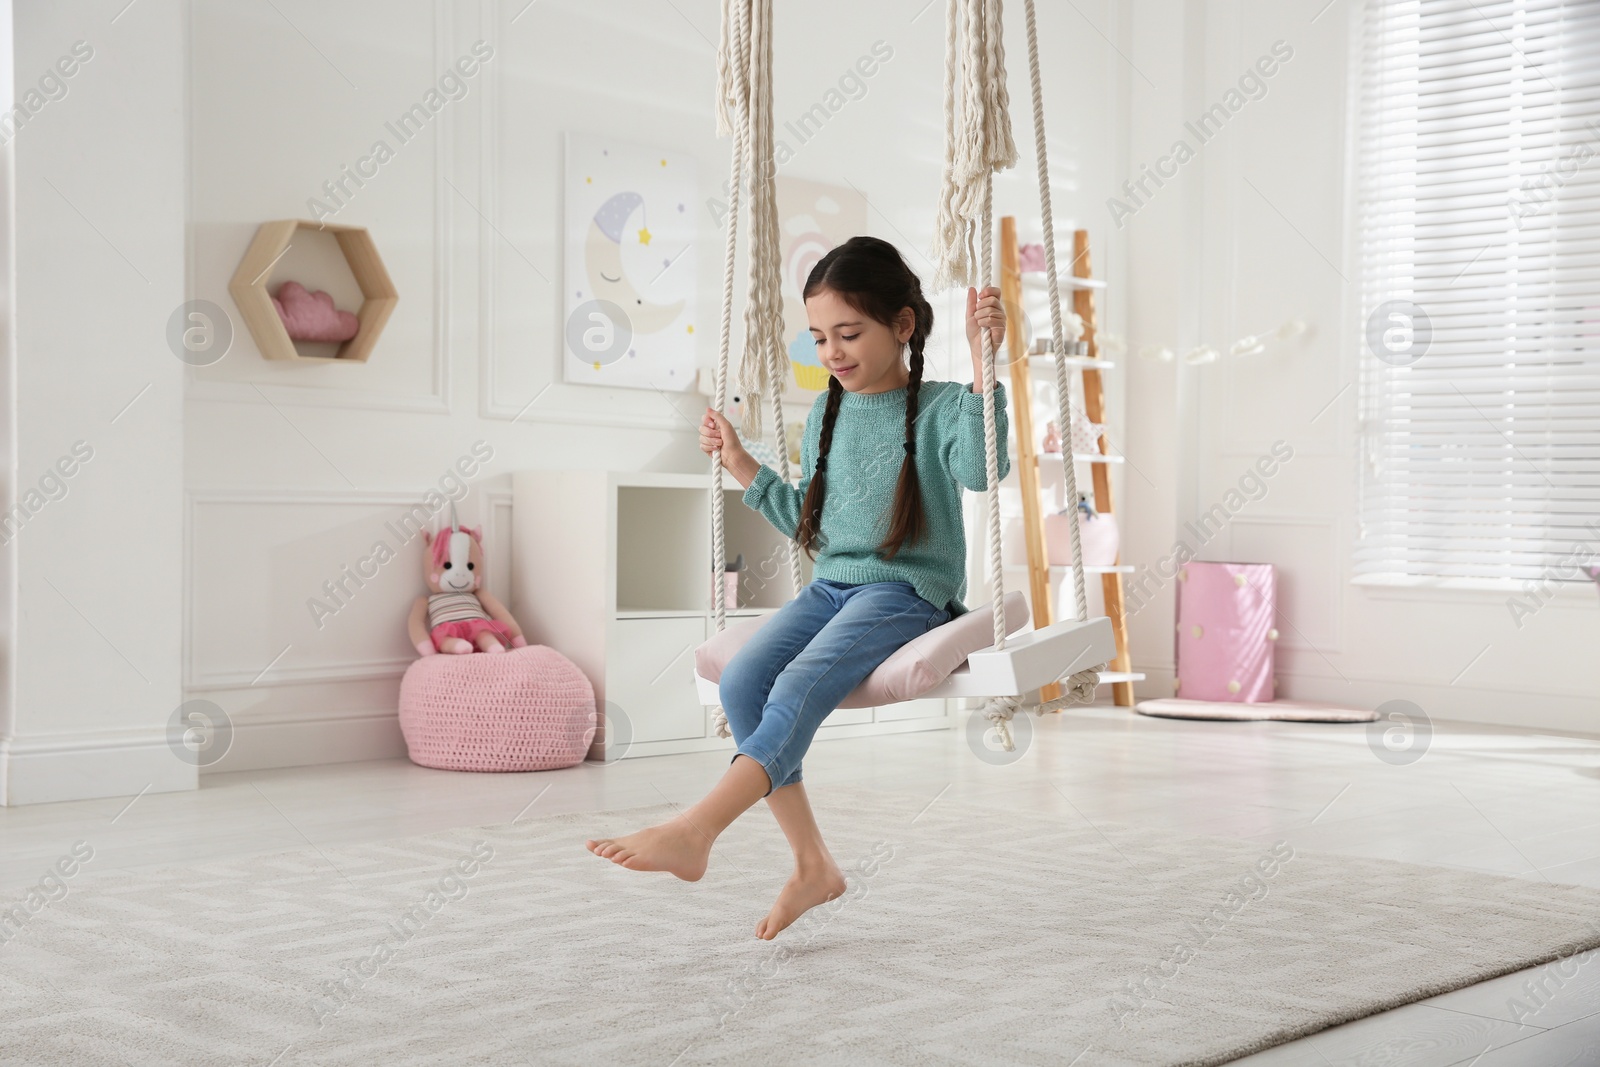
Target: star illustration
point(644, 236)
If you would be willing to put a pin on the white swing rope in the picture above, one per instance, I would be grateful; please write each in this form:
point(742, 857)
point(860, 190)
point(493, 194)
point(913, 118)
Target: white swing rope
point(1078, 689)
point(730, 92)
point(984, 147)
point(744, 86)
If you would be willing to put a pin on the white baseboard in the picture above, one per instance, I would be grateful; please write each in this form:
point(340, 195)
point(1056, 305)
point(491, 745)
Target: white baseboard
point(43, 770)
point(46, 769)
point(302, 742)
point(1440, 701)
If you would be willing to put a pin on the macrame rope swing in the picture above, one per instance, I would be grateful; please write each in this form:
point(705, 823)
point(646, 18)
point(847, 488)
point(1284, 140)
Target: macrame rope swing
point(977, 143)
point(744, 108)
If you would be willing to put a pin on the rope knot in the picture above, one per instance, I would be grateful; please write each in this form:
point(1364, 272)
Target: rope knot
point(998, 710)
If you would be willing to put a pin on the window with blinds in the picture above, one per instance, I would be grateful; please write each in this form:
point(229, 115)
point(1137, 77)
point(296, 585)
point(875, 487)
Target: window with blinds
point(1478, 228)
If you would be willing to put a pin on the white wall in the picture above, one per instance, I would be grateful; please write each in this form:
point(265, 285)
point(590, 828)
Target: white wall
point(8, 364)
point(291, 471)
point(96, 567)
point(1249, 233)
point(179, 564)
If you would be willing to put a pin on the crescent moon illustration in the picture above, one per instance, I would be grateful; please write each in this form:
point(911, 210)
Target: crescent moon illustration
point(607, 280)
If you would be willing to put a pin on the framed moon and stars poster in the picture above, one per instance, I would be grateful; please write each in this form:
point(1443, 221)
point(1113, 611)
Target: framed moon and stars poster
point(630, 265)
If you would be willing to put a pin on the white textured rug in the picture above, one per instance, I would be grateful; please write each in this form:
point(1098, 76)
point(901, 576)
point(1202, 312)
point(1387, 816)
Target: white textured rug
point(968, 936)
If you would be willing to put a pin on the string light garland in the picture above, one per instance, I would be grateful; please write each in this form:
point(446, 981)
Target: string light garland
point(1250, 344)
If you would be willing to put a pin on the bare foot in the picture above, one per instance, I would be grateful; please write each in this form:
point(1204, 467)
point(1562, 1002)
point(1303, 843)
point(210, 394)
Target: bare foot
point(674, 846)
point(802, 892)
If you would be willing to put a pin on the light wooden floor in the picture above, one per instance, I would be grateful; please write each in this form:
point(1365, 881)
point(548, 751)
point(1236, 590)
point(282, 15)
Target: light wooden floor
point(1490, 799)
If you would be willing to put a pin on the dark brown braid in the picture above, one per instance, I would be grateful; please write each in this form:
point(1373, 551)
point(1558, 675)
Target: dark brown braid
point(811, 509)
point(869, 274)
point(909, 522)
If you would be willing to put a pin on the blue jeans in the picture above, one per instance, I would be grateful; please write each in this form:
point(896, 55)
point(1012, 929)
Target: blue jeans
point(817, 648)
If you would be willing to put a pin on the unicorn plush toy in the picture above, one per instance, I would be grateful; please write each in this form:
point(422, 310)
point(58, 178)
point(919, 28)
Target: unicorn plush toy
point(459, 615)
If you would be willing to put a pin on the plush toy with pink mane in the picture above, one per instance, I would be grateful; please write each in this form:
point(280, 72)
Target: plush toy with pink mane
point(459, 614)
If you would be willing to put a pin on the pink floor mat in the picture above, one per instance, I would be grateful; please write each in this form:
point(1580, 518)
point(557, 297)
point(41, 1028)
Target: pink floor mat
point(1288, 710)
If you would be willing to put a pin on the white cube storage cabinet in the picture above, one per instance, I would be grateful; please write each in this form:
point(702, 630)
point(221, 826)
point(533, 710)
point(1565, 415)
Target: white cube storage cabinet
point(613, 569)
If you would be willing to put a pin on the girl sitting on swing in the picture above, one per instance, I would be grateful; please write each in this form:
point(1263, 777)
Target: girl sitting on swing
point(872, 591)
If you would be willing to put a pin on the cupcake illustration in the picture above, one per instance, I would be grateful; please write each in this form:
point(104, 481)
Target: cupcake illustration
point(808, 369)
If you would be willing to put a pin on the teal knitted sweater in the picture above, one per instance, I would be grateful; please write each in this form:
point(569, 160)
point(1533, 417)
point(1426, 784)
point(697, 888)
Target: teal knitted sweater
point(863, 467)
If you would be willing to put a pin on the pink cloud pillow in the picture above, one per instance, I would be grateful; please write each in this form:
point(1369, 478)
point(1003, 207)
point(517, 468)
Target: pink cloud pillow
point(911, 670)
point(311, 316)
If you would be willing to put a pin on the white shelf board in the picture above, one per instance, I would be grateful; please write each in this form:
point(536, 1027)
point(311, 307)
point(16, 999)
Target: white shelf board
point(1035, 279)
point(668, 480)
point(1125, 568)
point(642, 613)
point(1045, 460)
point(1108, 677)
point(1075, 362)
point(676, 480)
point(680, 613)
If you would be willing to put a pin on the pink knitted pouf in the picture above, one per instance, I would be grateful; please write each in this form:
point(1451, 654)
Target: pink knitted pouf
point(526, 709)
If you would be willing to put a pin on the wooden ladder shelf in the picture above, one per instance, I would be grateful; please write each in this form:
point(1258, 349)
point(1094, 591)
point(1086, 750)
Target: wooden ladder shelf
point(1119, 673)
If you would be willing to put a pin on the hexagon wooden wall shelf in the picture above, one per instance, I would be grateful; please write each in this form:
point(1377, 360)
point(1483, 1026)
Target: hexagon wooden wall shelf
point(249, 289)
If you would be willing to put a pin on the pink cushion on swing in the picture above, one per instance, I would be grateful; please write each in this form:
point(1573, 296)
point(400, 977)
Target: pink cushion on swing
point(911, 670)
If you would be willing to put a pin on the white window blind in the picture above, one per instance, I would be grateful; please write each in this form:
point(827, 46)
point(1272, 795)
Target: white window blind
point(1478, 225)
